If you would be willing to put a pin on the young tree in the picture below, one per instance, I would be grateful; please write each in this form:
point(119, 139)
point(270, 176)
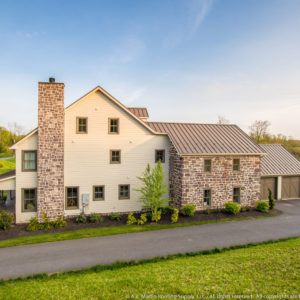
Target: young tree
point(153, 190)
point(258, 129)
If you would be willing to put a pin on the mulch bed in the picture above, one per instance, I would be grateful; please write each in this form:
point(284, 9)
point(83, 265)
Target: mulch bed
point(19, 230)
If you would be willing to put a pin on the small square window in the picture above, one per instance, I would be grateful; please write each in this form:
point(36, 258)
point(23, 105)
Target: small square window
point(72, 197)
point(207, 165)
point(115, 156)
point(113, 126)
point(207, 197)
point(160, 155)
point(236, 164)
point(29, 199)
point(98, 192)
point(124, 191)
point(29, 160)
point(81, 126)
point(237, 195)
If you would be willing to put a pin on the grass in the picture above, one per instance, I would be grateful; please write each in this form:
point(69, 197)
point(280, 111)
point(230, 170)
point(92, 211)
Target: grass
point(7, 165)
point(270, 268)
point(104, 231)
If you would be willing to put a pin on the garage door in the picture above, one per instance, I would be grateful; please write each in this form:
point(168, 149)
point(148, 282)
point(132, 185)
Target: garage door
point(266, 184)
point(291, 187)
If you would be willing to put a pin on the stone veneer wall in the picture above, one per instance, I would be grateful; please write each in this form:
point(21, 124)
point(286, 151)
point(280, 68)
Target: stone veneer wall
point(189, 181)
point(175, 176)
point(221, 180)
point(50, 162)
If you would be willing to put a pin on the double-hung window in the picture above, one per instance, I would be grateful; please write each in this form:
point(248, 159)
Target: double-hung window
point(29, 160)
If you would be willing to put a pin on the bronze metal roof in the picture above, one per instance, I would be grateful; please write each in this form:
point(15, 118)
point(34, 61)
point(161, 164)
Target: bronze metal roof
point(8, 174)
point(207, 139)
point(140, 112)
point(278, 161)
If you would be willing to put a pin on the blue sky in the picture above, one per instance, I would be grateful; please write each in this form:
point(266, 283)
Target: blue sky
point(185, 60)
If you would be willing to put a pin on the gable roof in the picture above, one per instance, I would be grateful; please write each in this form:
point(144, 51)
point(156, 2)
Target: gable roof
point(208, 139)
point(278, 161)
point(140, 112)
point(135, 112)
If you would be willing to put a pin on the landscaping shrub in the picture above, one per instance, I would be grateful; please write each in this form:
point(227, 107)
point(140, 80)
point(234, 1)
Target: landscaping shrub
point(46, 224)
point(167, 210)
point(115, 217)
point(131, 219)
point(34, 224)
point(262, 206)
point(271, 200)
point(189, 210)
point(59, 222)
point(156, 216)
point(6, 219)
point(174, 216)
point(232, 207)
point(143, 219)
point(96, 218)
point(81, 218)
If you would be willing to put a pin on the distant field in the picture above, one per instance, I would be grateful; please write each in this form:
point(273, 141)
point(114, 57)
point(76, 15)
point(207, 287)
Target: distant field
point(7, 165)
point(267, 269)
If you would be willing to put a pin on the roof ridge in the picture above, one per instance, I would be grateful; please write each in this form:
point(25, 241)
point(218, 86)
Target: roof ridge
point(187, 123)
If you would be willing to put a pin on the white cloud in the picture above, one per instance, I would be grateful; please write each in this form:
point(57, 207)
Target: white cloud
point(199, 9)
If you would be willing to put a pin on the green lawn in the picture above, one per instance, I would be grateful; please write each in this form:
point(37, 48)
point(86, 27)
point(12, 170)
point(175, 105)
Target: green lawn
point(7, 165)
point(267, 269)
point(104, 231)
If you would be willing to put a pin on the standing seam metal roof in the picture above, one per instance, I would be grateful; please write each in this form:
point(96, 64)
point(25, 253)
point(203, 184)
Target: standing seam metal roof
point(278, 161)
point(140, 112)
point(190, 138)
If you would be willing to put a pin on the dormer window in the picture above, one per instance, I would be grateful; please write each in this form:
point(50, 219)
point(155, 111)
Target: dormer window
point(81, 125)
point(113, 126)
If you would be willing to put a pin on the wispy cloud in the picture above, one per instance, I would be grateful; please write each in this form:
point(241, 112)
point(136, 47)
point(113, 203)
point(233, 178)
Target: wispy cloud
point(198, 10)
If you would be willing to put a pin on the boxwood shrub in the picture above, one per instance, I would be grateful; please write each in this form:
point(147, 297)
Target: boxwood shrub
point(189, 210)
point(232, 207)
point(262, 206)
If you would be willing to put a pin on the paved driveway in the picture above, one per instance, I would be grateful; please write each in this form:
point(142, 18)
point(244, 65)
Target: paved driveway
point(77, 254)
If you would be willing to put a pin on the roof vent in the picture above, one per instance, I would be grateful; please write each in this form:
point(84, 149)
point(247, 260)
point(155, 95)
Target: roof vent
point(52, 80)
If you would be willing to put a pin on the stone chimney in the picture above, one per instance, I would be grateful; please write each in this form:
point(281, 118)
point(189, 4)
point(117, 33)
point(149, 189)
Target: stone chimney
point(50, 161)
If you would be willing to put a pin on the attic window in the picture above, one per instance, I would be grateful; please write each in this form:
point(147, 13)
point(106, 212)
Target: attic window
point(113, 126)
point(29, 160)
point(81, 125)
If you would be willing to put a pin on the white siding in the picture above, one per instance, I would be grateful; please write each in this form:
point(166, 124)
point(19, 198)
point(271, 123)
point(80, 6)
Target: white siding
point(24, 179)
point(87, 155)
point(7, 184)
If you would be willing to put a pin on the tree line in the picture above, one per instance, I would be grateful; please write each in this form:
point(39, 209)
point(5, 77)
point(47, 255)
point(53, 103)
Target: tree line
point(10, 136)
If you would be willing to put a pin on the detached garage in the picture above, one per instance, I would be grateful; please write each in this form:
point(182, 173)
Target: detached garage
point(280, 172)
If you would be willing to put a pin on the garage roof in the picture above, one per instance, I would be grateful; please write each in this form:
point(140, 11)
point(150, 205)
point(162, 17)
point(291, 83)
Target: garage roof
point(278, 161)
point(208, 139)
